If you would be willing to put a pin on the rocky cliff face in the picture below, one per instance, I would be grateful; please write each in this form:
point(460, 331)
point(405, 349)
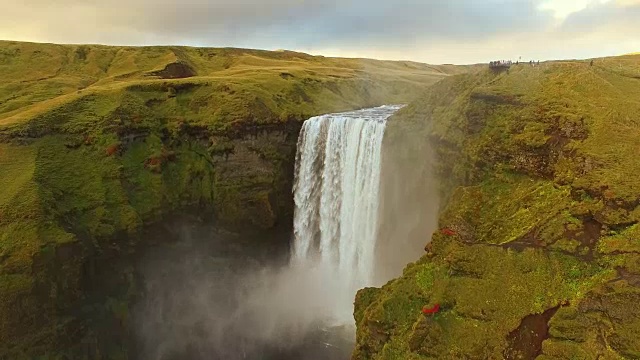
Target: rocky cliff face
point(97, 202)
point(537, 256)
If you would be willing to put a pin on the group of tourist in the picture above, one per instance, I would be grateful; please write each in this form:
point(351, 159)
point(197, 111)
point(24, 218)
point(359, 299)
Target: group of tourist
point(500, 63)
point(508, 63)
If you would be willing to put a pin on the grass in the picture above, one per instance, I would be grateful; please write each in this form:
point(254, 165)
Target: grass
point(71, 72)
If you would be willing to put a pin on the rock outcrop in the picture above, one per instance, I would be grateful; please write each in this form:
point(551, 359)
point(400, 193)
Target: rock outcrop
point(176, 70)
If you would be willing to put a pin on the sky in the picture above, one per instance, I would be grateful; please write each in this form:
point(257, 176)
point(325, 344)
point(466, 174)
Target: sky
point(431, 31)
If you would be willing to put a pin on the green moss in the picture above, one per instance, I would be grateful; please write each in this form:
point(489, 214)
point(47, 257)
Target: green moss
point(627, 241)
point(364, 298)
point(602, 324)
point(484, 293)
point(14, 284)
point(18, 165)
point(568, 246)
point(508, 208)
point(554, 349)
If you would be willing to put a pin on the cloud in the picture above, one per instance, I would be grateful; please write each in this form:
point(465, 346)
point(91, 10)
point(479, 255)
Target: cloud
point(413, 29)
point(622, 15)
point(562, 8)
point(133, 21)
point(405, 21)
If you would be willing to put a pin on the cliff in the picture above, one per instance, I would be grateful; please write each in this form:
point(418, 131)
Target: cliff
point(540, 195)
point(98, 143)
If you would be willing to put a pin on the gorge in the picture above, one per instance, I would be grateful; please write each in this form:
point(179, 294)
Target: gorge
point(204, 302)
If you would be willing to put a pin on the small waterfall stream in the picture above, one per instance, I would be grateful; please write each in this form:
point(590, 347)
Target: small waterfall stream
point(336, 193)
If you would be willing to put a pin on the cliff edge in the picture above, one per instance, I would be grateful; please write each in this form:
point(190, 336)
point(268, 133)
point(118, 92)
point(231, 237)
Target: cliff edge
point(538, 252)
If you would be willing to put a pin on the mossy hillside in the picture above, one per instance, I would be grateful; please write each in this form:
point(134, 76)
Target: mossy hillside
point(83, 200)
point(572, 124)
point(531, 168)
point(234, 92)
point(510, 208)
point(523, 118)
point(548, 122)
point(483, 291)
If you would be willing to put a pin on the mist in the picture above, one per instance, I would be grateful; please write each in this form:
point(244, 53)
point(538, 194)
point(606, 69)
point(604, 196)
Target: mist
point(409, 200)
point(216, 295)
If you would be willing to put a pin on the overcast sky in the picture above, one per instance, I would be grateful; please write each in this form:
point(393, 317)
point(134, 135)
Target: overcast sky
point(433, 31)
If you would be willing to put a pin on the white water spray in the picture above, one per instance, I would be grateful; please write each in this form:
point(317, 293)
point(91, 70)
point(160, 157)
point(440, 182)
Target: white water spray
point(336, 193)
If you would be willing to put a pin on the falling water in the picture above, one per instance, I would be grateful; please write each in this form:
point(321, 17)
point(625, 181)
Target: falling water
point(336, 194)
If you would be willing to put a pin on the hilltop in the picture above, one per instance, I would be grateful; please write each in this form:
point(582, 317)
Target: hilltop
point(538, 255)
point(39, 78)
point(99, 143)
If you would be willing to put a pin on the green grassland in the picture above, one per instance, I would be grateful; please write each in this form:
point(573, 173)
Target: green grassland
point(224, 84)
point(539, 178)
point(97, 142)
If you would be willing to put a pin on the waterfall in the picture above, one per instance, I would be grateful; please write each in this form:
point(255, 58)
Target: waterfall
point(336, 193)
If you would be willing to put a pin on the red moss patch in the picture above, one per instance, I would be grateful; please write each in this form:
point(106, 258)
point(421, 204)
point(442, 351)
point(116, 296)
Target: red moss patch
point(431, 310)
point(112, 149)
point(448, 232)
point(154, 163)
